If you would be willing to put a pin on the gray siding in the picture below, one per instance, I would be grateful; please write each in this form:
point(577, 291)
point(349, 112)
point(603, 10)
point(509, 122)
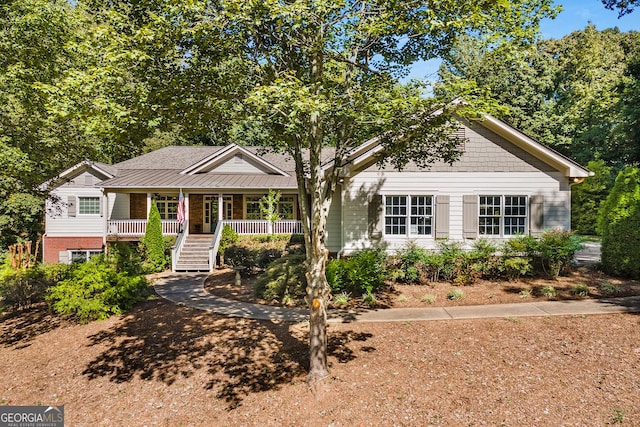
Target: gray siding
point(362, 187)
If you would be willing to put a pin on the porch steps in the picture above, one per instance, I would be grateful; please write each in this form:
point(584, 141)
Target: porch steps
point(195, 253)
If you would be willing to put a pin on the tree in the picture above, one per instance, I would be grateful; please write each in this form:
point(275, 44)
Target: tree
point(326, 75)
point(624, 6)
point(619, 224)
point(574, 94)
point(587, 197)
point(153, 242)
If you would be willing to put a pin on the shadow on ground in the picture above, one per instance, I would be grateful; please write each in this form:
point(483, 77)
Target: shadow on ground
point(162, 341)
point(19, 327)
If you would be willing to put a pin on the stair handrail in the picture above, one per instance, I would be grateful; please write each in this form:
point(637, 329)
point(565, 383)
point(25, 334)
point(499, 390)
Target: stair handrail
point(176, 249)
point(215, 244)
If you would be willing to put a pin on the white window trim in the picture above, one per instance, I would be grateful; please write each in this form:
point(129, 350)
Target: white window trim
point(78, 208)
point(408, 216)
point(503, 197)
point(87, 252)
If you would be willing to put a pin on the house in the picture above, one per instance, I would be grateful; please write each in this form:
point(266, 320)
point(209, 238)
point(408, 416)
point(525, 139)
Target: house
point(504, 184)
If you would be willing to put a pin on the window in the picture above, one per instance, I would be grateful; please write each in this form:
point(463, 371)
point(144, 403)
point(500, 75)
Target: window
point(253, 207)
point(79, 256)
point(286, 207)
point(89, 205)
point(408, 213)
point(421, 215)
point(167, 206)
point(502, 215)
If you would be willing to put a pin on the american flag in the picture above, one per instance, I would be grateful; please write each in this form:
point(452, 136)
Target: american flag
point(180, 208)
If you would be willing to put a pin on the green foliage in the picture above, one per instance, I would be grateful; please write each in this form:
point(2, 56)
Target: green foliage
point(576, 93)
point(428, 298)
point(587, 197)
point(361, 273)
point(620, 226)
point(155, 259)
point(269, 206)
point(410, 260)
point(580, 289)
point(261, 250)
point(609, 289)
point(96, 290)
point(341, 299)
point(456, 294)
point(125, 257)
point(548, 291)
point(228, 238)
point(24, 287)
point(285, 276)
point(553, 251)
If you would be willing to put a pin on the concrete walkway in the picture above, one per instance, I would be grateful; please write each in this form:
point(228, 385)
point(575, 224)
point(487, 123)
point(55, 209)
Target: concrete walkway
point(187, 289)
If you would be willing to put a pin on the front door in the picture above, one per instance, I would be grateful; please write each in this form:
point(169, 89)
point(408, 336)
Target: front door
point(212, 214)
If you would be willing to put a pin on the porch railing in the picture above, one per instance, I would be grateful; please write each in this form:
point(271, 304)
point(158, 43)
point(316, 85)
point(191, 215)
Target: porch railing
point(259, 226)
point(138, 227)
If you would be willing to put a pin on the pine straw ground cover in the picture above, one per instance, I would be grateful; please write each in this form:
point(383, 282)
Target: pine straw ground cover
point(168, 365)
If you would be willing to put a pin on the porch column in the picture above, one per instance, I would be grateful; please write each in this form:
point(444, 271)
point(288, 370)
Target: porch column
point(186, 212)
point(149, 198)
point(220, 207)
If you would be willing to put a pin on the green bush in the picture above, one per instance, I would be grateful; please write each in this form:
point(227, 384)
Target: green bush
point(552, 252)
point(259, 251)
point(95, 290)
point(284, 277)
point(27, 286)
point(361, 273)
point(152, 243)
point(125, 257)
point(336, 272)
point(587, 198)
point(409, 261)
point(228, 238)
point(619, 224)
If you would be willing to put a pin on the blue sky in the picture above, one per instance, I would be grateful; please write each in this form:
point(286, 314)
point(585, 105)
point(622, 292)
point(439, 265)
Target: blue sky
point(576, 15)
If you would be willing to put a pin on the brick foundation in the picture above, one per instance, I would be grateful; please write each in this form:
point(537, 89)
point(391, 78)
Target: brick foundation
point(53, 245)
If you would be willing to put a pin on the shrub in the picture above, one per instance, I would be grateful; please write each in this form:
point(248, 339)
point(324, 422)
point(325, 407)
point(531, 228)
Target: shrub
point(341, 299)
point(152, 243)
point(514, 267)
point(553, 251)
point(125, 257)
point(23, 287)
point(284, 277)
point(409, 260)
point(336, 272)
point(548, 291)
point(455, 294)
point(428, 298)
point(227, 238)
point(258, 251)
point(587, 198)
point(450, 252)
point(619, 223)
point(95, 290)
point(580, 289)
point(608, 288)
point(362, 272)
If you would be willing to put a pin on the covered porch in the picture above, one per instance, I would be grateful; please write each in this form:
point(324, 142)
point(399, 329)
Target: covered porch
point(200, 214)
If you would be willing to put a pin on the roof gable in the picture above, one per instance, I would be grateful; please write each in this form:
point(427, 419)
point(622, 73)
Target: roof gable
point(95, 170)
point(509, 150)
point(234, 159)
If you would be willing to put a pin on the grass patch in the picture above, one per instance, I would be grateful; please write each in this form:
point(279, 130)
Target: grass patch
point(455, 295)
